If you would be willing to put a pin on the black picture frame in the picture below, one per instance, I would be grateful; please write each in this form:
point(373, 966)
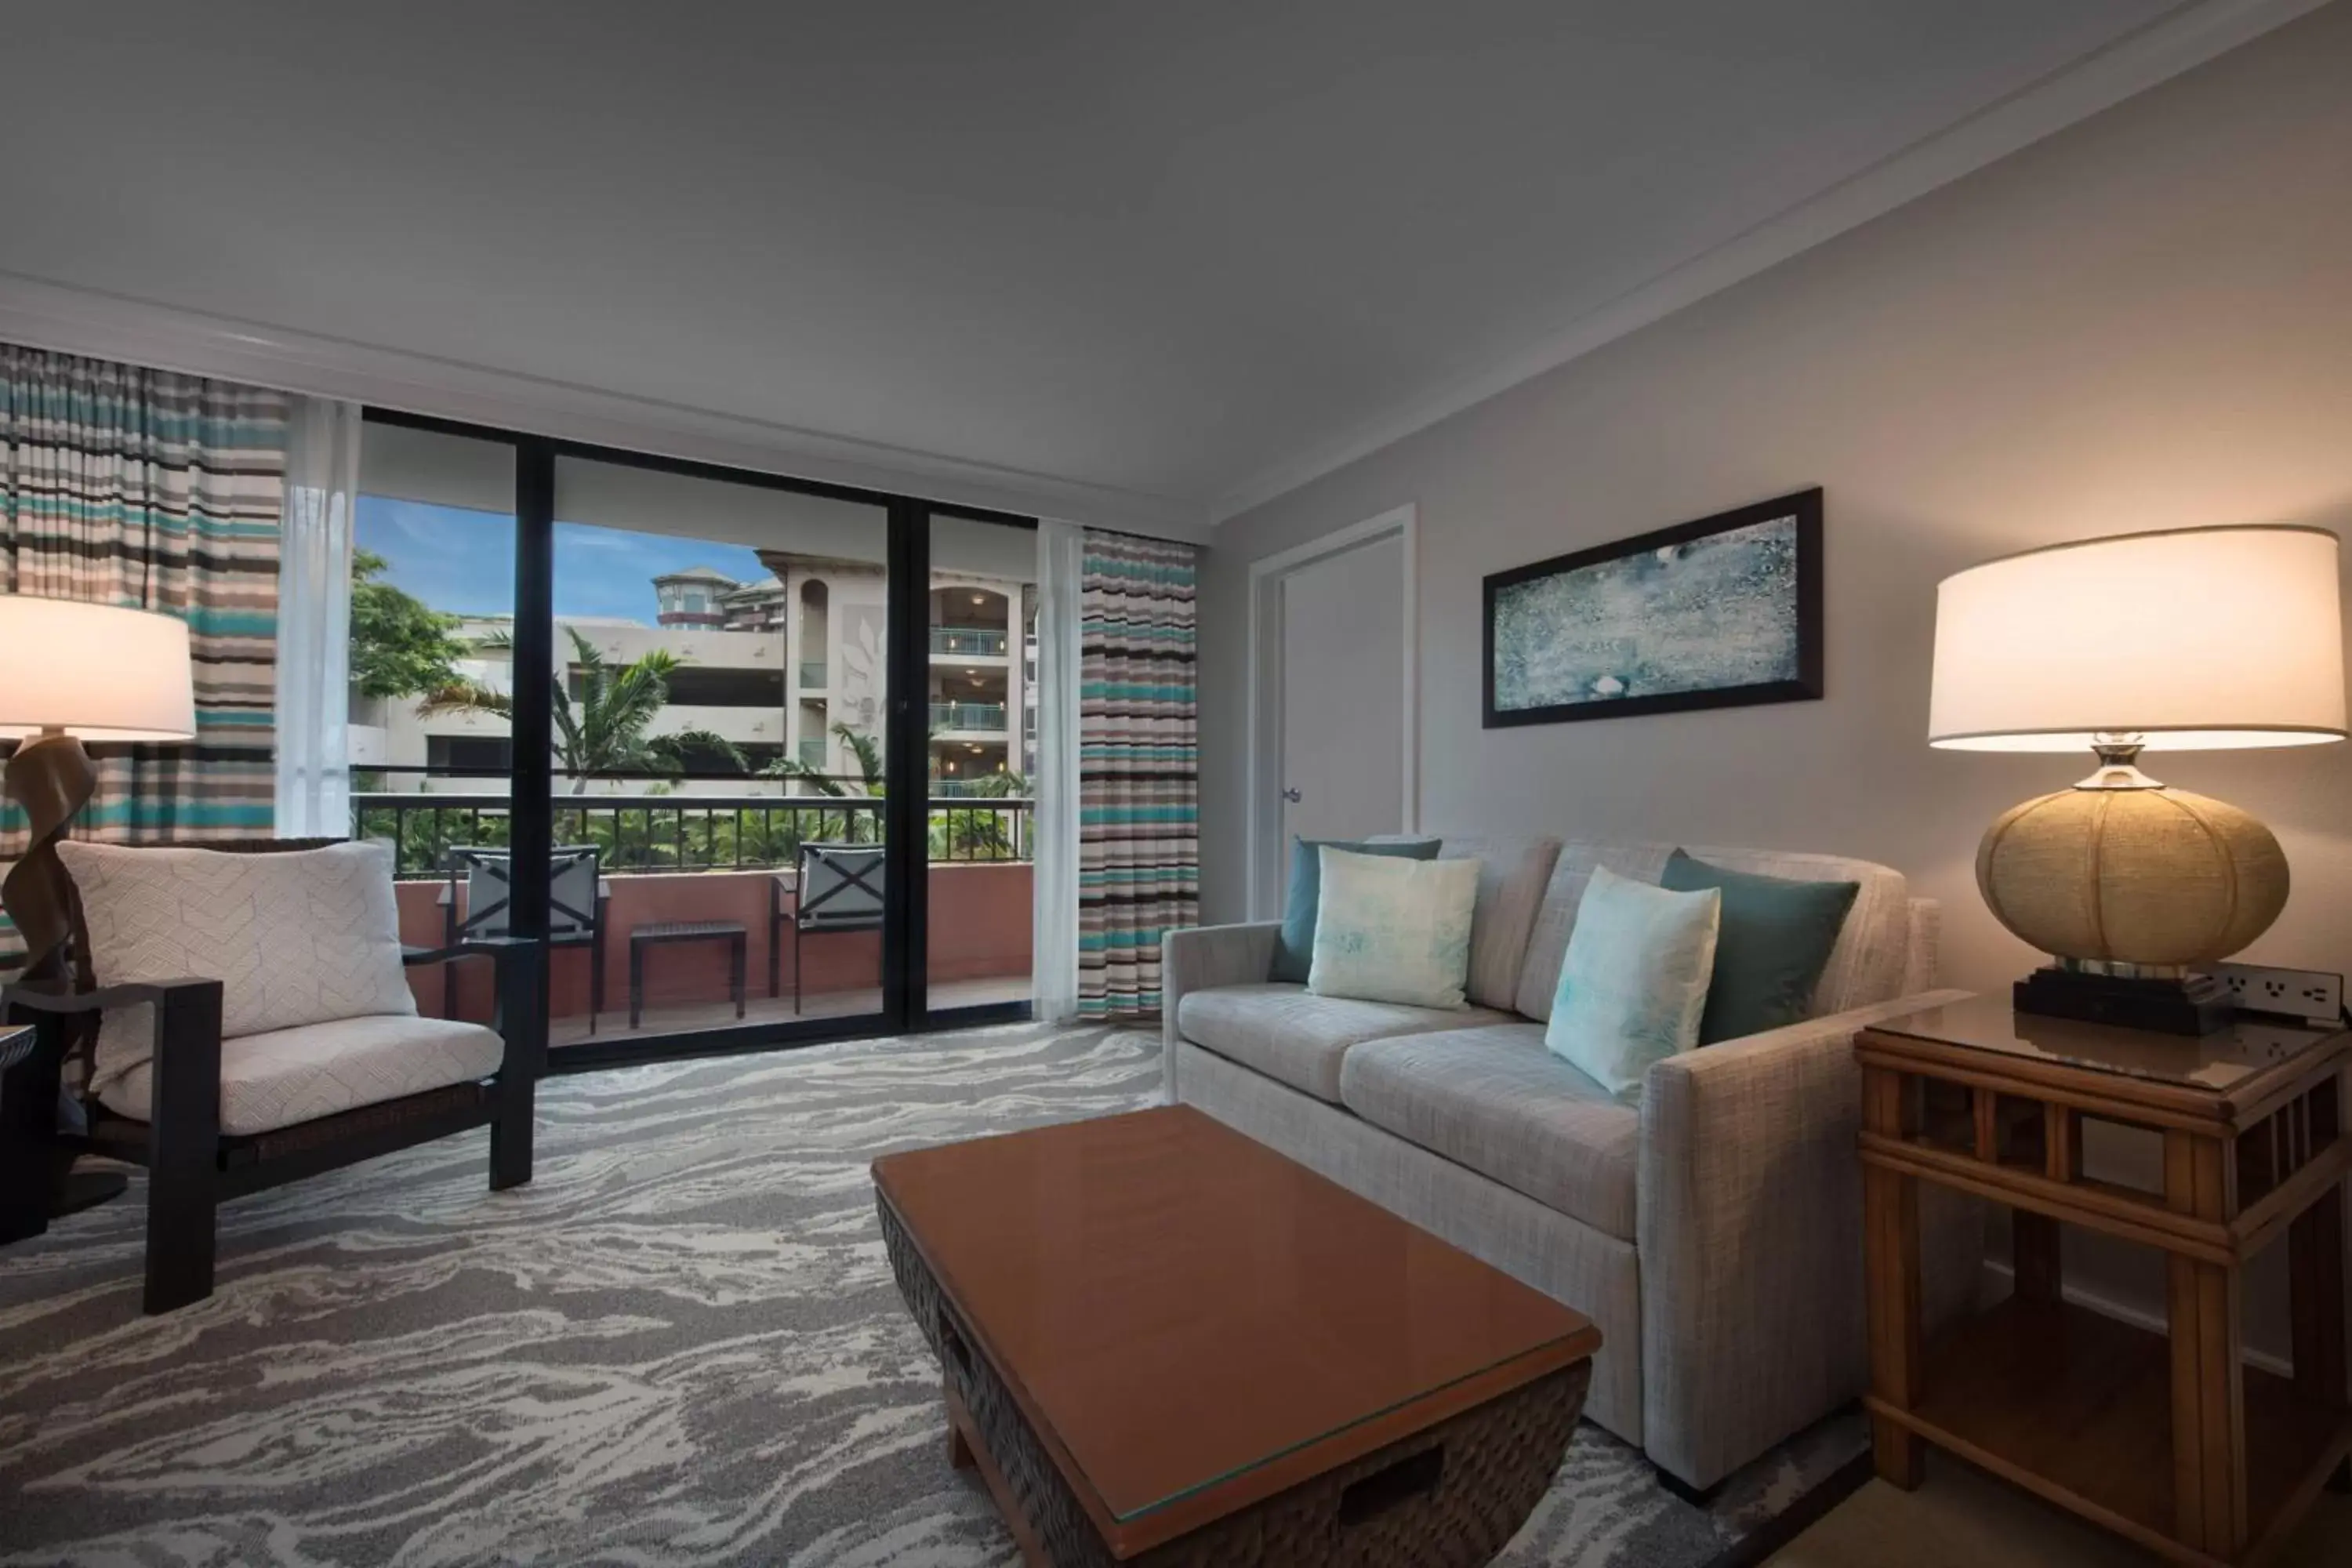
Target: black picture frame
point(1805, 506)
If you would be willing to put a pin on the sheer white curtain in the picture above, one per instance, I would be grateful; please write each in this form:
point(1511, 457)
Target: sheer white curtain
point(1055, 902)
point(314, 620)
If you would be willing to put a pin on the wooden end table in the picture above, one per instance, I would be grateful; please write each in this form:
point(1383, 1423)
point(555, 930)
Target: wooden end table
point(1164, 1344)
point(2170, 1439)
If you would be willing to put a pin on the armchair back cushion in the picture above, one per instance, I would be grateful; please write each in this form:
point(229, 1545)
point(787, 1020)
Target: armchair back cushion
point(298, 938)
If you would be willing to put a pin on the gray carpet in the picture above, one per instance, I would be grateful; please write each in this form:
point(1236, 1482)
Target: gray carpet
point(679, 1345)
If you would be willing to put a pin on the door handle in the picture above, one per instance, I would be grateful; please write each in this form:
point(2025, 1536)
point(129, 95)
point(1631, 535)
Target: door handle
point(1291, 796)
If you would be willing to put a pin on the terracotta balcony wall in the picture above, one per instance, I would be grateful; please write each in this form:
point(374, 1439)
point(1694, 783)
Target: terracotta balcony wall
point(979, 928)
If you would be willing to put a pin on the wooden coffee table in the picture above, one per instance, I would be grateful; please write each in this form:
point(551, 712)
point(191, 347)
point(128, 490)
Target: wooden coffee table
point(1165, 1344)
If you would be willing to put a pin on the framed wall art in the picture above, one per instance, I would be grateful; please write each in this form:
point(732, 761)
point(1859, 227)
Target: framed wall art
point(1718, 612)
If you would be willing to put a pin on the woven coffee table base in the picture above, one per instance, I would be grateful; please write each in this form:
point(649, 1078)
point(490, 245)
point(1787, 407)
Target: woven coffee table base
point(1449, 1497)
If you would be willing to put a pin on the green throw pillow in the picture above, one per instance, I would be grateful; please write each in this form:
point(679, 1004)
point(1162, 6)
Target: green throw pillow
point(1775, 941)
point(1294, 946)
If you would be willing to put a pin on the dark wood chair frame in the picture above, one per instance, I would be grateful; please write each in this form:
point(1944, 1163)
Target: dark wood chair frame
point(193, 1167)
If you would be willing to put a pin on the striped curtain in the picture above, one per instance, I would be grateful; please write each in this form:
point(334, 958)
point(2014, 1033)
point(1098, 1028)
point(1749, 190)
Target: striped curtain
point(158, 491)
point(1138, 821)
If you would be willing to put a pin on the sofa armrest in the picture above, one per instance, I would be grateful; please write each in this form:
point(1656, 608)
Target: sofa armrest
point(1199, 959)
point(1748, 1225)
point(1923, 954)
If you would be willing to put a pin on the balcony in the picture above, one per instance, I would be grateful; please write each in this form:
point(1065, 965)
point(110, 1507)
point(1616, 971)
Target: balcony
point(812, 674)
point(969, 718)
point(968, 642)
point(674, 858)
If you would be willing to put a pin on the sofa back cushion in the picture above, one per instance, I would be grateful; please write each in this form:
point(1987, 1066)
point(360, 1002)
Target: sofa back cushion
point(1512, 876)
point(1864, 966)
point(294, 939)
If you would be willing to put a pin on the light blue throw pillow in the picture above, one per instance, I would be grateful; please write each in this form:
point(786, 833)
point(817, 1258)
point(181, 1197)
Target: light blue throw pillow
point(1294, 945)
point(1633, 985)
point(1393, 930)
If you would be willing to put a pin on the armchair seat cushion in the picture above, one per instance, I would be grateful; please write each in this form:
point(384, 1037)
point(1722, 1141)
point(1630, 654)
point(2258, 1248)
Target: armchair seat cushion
point(287, 1076)
point(1289, 1034)
point(1497, 1100)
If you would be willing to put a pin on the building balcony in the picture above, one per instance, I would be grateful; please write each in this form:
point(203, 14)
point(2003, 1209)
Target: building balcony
point(760, 726)
point(968, 642)
point(969, 718)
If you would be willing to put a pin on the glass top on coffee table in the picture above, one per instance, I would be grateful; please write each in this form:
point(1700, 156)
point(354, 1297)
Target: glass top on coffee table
point(1181, 1306)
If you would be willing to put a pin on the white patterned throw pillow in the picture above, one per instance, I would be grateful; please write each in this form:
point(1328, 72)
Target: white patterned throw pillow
point(1393, 931)
point(1634, 984)
point(300, 937)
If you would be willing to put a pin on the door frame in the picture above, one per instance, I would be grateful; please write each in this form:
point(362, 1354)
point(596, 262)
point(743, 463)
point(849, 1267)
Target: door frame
point(1263, 813)
point(905, 1005)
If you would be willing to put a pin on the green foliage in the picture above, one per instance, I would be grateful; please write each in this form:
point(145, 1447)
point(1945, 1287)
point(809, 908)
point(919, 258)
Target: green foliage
point(604, 731)
point(857, 826)
point(427, 833)
point(399, 647)
point(979, 832)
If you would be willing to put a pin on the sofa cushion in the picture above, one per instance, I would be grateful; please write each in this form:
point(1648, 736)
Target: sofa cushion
point(1512, 876)
point(1634, 983)
point(1394, 930)
point(285, 1075)
point(294, 938)
point(1864, 967)
point(1495, 1099)
point(1775, 939)
point(1289, 1034)
point(1294, 945)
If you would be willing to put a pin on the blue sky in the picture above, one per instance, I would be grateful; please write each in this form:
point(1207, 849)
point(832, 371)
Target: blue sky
point(462, 561)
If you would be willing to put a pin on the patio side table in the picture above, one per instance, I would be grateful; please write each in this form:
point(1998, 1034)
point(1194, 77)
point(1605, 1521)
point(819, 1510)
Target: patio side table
point(731, 933)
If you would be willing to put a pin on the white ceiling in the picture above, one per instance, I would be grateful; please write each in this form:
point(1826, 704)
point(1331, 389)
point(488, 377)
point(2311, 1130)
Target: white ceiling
point(1168, 248)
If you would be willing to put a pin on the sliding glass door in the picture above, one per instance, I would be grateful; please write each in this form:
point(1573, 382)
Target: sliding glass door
point(752, 753)
point(980, 693)
point(719, 708)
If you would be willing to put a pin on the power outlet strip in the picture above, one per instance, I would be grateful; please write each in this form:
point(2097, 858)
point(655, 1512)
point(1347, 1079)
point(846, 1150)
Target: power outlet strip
point(2300, 993)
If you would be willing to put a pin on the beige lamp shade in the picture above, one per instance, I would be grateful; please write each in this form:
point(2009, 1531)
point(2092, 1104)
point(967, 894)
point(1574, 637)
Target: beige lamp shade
point(2215, 638)
point(2208, 638)
point(94, 671)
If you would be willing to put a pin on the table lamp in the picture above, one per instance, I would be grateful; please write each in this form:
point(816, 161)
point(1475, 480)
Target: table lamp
point(77, 673)
point(2201, 639)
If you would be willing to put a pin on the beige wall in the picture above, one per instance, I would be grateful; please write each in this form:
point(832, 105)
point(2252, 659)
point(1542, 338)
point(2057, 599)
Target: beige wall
point(2145, 321)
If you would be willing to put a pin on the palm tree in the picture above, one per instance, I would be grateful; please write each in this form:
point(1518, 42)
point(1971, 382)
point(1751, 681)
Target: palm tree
point(604, 731)
point(864, 826)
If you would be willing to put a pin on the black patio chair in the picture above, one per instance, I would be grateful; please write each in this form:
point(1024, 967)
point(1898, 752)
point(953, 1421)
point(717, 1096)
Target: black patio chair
point(840, 890)
point(578, 899)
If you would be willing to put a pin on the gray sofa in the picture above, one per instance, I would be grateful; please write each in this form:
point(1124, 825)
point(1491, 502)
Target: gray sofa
point(1714, 1234)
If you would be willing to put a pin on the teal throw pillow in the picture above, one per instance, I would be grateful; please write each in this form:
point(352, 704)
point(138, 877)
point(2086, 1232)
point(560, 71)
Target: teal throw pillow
point(1293, 946)
point(1634, 980)
point(1776, 941)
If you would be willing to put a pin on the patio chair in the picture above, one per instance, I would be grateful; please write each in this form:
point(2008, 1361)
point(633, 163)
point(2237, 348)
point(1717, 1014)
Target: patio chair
point(578, 899)
point(303, 1089)
point(840, 890)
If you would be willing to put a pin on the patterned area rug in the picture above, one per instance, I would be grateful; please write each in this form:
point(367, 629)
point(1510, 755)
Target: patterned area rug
point(681, 1345)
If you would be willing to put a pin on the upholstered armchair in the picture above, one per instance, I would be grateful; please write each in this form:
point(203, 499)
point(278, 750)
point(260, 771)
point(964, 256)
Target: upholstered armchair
point(239, 1018)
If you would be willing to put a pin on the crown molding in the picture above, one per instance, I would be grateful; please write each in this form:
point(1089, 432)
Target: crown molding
point(43, 314)
point(2182, 38)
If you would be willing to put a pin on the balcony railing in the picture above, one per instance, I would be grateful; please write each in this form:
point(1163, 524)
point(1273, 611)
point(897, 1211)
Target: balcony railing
point(812, 674)
point(973, 641)
point(968, 716)
point(685, 833)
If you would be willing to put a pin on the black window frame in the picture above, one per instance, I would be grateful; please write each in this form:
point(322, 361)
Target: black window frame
point(905, 1004)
